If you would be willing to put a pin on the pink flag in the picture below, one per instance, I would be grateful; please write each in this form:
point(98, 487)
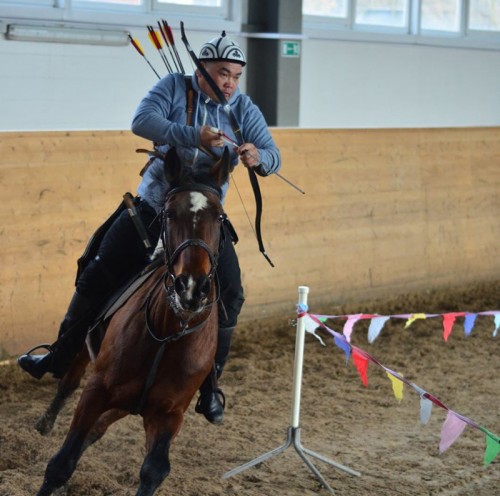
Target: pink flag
point(351, 320)
point(451, 431)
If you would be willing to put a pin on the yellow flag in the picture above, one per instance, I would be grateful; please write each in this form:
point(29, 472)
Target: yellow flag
point(397, 386)
point(414, 317)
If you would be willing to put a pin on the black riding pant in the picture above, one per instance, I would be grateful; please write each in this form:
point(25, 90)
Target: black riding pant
point(231, 290)
point(122, 255)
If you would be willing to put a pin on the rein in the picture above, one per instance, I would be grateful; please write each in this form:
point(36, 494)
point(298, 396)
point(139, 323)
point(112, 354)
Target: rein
point(169, 290)
point(239, 139)
point(185, 329)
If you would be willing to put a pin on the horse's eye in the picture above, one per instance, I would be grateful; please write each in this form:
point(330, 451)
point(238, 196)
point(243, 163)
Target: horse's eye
point(169, 214)
point(222, 217)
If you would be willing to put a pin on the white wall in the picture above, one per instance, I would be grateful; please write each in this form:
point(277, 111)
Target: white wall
point(52, 86)
point(360, 84)
point(48, 86)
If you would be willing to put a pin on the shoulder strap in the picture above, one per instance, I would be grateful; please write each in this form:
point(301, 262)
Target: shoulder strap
point(189, 99)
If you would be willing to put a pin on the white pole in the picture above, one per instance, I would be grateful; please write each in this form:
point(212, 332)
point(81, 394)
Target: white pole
point(299, 360)
point(293, 431)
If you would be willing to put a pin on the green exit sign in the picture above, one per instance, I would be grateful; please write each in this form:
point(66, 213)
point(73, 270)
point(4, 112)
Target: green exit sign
point(290, 49)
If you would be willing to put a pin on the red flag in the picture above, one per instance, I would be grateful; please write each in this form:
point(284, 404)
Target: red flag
point(361, 364)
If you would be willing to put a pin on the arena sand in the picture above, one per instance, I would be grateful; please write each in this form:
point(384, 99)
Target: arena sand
point(364, 428)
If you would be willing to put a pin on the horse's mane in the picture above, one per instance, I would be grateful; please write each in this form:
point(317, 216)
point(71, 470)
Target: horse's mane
point(195, 176)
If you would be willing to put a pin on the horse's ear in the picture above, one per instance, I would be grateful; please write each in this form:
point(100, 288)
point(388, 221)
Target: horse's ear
point(172, 165)
point(221, 169)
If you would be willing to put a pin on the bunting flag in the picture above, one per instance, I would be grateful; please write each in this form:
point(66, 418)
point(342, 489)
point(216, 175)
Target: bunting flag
point(397, 386)
point(492, 447)
point(377, 322)
point(455, 423)
point(452, 429)
point(361, 364)
point(376, 325)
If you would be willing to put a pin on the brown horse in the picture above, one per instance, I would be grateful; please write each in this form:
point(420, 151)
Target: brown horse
point(160, 345)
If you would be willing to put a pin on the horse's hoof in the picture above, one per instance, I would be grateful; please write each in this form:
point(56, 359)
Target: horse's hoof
point(44, 425)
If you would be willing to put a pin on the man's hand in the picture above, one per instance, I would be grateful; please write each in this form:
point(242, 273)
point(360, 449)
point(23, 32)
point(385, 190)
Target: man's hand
point(209, 138)
point(249, 155)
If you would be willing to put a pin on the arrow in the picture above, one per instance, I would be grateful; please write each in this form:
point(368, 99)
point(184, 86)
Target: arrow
point(156, 41)
point(170, 36)
point(138, 47)
point(164, 33)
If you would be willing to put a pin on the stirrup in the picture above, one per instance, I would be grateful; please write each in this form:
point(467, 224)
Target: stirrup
point(47, 347)
point(219, 393)
point(199, 408)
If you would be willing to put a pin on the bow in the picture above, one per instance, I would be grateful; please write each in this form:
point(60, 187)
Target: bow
point(239, 139)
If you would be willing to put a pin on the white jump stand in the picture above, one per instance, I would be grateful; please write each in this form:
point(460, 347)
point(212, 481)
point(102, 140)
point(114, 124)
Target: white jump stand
point(293, 431)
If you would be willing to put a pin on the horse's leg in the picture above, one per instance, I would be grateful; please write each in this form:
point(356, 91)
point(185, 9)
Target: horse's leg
point(62, 465)
point(102, 424)
point(65, 388)
point(160, 429)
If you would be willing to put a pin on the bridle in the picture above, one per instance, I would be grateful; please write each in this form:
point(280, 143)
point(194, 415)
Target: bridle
point(171, 257)
point(169, 277)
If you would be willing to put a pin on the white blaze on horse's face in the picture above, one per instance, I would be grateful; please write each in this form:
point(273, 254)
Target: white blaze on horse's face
point(190, 288)
point(198, 202)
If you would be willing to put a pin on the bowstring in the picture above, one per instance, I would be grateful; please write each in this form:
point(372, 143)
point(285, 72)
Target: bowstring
point(243, 205)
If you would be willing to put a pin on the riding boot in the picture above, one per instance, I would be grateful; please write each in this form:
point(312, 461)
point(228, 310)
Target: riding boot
point(72, 334)
point(212, 401)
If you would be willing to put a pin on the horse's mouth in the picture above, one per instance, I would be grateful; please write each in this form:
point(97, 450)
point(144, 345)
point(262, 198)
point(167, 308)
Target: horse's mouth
point(188, 307)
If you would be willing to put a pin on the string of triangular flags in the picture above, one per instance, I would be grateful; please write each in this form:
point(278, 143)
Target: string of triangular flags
point(454, 423)
point(377, 321)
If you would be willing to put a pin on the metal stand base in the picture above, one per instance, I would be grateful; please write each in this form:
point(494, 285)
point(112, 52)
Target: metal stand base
point(293, 438)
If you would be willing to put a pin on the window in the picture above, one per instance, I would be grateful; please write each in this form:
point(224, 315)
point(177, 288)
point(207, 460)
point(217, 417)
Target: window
point(123, 2)
point(442, 15)
point(472, 23)
point(198, 14)
point(201, 3)
point(205, 3)
point(335, 8)
point(484, 15)
point(382, 12)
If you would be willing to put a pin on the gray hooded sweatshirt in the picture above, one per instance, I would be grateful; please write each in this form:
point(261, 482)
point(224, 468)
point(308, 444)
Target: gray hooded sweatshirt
point(161, 118)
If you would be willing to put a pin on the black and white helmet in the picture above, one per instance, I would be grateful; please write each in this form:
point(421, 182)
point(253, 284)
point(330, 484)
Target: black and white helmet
point(222, 48)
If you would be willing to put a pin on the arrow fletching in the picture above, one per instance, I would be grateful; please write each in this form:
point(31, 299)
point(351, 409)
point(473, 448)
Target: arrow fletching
point(153, 36)
point(170, 36)
point(163, 33)
point(136, 45)
point(168, 32)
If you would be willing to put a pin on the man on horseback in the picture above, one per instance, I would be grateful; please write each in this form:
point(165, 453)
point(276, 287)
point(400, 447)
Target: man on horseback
point(180, 111)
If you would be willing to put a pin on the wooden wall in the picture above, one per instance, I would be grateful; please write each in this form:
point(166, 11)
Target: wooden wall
point(385, 211)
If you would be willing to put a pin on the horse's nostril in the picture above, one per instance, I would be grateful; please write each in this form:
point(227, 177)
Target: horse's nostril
point(205, 286)
point(180, 284)
point(192, 293)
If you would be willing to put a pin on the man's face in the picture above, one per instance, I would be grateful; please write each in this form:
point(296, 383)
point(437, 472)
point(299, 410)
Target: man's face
point(226, 76)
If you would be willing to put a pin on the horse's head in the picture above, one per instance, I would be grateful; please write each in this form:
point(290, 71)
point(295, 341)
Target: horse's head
point(192, 230)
